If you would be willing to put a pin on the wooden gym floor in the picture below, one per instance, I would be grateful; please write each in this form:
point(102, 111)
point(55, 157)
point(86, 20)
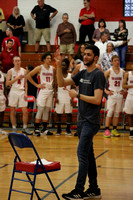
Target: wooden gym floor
point(114, 158)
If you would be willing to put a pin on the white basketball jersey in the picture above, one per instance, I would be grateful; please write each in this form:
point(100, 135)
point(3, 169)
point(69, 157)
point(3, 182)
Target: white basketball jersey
point(115, 80)
point(63, 95)
point(82, 66)
point(130, 82)
point(1, 84)
point(20, 84)
point(46, 77)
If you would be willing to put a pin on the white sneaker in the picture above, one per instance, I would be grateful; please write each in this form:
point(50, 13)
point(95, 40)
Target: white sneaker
point(3, 132)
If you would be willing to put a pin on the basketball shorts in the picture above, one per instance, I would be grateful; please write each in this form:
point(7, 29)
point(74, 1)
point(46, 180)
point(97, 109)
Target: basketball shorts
point(16, 99)
point(2, 103)
point(45, 98)
point(128, 108)
point(63, 107)
point(114, 104)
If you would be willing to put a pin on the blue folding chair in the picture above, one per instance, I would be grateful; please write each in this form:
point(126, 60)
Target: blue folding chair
point(22, 141)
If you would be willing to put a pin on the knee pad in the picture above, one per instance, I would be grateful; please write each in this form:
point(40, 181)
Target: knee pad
point(45, 114)
point(116, 114)
point(39, 112)
point(110, 113)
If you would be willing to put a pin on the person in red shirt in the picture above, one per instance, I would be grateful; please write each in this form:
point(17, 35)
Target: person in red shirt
point(6, 57)
point(16, 43)
point(86, 18)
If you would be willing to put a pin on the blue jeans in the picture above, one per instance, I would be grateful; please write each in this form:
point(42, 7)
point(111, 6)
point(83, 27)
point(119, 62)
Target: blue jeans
point(122, 55)
point(86, 158)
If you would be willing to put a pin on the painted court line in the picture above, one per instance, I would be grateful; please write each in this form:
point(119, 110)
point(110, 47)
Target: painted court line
point(71, 176)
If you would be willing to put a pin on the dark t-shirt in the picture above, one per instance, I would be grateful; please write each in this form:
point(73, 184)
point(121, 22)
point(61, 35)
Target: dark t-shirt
point(42, 15)
point(88, 82)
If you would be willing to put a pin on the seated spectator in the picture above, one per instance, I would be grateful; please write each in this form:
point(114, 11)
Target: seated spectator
point(106, 61)
point(102, 45)
point(32, 90)
point(6, 57)
point(16, 23)
point(16, 43)
point(2, 17)
point(101, 28)
point(67, 34)
point(120, 34)
point(64, 101)
point(80, 52)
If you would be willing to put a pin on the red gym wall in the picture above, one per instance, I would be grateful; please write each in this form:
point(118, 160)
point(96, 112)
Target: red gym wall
point(110, 10)
point(7, 6)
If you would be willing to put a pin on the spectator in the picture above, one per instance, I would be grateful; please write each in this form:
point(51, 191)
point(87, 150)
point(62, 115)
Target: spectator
point(115, 95)
point(16, 23)
point(2, 17)
point(102, 45)
point(120, 34)
point(64, 101)
point(86, 18)
point(16, 43)
point(32, 90)
point(67, 34)
point(80, 52)
point(101, 28)
point(18, 93)
point(128, 84)
point(6, 57)
point(41, 14)
point(107, 57)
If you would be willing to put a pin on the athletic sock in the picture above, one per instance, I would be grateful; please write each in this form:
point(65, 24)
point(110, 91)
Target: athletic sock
point(44, 125)
point(114, 127)
point(106, 128)
point(36, 125)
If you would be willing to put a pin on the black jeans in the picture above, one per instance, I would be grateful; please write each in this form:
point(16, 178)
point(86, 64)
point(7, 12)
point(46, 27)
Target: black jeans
point(84, 31)
point(86, 158)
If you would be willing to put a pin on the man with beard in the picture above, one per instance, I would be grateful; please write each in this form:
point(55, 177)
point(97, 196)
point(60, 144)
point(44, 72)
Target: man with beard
point(91, 82)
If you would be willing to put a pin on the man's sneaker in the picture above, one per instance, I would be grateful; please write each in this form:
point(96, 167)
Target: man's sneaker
point(107, 133)
point(92, 194)
point(114, 133)
point(75, 134)
point(26, 131)
point(3, 132)
point(68, 133)
point(74, 194)
point(37, 133)
point(14, 130)
point(58, 133)
point(131, 135)
point(46, 132)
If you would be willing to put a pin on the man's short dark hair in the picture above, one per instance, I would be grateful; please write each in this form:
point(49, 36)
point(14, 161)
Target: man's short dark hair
point(114, 56)
point(66, 61)
point(103, 33)
point(94, 48)
point(9, 40)
point(45, 55)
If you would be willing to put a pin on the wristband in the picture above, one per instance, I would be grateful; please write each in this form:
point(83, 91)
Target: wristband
point(78, 96)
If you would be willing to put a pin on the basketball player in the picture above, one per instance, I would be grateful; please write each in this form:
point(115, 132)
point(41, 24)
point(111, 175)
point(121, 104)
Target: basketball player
point(45, 98)
point(64, 101)
point(115, 96)
point(2, 101)
point(128, 84)
point(18, 93)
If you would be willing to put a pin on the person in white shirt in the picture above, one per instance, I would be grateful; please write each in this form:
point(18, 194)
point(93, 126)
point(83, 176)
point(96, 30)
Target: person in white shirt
point(45, 98)
point(128, 108)
point(64, 101)
point(102, 45)
point(2, 101)
point(115, 96)
point(18, 93)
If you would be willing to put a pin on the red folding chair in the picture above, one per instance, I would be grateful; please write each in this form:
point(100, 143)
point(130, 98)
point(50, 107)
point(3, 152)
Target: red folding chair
point(29, 168)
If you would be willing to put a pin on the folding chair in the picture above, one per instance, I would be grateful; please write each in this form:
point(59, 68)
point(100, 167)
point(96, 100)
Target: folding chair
point(30, 168)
